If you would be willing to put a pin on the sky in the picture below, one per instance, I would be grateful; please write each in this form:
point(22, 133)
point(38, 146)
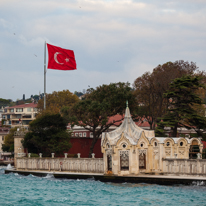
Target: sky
point(113, 41)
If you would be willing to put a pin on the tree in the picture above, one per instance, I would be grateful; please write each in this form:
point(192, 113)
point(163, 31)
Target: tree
point(150, 88)
point(100, 104)
point(48, 134)
point(182, 96)
point(56, 100)
point(8, 145)
point(6, 102)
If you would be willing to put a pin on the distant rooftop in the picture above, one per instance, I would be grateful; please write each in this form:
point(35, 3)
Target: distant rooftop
point(23, 106)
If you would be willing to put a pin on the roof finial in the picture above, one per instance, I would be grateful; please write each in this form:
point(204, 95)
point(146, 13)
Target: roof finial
point(127, 104)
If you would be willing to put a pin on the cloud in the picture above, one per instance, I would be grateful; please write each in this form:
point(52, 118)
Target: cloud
point(113, 40)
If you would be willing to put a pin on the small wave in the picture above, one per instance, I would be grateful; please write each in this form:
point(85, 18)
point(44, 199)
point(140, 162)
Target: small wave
point(49, 176)
point(199, 183)
point(9, 167)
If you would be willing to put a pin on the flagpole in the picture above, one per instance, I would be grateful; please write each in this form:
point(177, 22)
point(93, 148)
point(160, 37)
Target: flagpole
point(45, 75)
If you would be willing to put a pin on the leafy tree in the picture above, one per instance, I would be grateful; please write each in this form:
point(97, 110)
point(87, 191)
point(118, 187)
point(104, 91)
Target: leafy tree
point(48, 134)
point(6, 102)
point(9, 141)
point(182, 96)
point(100, 104)
point(56, 100)
point(150, 88)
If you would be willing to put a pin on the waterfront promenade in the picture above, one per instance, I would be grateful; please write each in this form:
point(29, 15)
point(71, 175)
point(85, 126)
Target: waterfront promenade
point(141, 178)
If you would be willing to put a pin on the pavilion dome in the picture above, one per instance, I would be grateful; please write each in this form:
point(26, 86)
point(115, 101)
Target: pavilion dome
point(130, 130)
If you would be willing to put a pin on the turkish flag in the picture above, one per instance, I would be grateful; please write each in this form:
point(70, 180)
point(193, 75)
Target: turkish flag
point(61, 59)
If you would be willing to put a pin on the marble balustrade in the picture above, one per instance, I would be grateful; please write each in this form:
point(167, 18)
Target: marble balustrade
point(88, 165)
point(184, 166)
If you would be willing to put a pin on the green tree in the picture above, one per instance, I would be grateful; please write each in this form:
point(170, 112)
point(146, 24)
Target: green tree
point(182, 96)
point(150, 88)
point(48, 134)
point(6, 102)
point(9, 141)
point(100, 104)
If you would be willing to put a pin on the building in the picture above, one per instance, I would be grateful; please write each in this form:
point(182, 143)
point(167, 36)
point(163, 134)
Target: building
point(3, 132)
point(131, 150)
point(19, 115)
point(5, 157)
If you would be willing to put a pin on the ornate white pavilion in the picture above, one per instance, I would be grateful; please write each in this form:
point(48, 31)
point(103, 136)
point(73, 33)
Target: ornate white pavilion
point(131, 150)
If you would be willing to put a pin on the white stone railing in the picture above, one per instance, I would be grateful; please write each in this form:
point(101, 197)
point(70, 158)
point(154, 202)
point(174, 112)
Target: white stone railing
point(87, 165)
point(184, 166)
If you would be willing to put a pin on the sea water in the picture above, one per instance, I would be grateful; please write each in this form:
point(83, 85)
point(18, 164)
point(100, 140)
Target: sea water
point(29, 190)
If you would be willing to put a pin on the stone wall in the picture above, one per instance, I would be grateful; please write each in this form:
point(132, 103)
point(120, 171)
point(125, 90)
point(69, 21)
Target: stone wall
point(184, 166)
point(87, 165)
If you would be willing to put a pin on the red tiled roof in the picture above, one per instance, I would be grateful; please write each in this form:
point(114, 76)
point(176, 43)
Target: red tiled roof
point(23, 106)
point(119, 118)
point(140, 123)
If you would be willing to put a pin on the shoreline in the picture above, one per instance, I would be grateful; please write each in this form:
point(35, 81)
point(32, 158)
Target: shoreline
point(150, 179)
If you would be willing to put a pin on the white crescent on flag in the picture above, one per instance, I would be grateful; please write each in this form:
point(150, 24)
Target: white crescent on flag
point(55, 58)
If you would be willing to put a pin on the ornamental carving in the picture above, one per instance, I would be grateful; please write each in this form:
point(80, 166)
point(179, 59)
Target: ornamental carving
point(168, 152)
point(181, 152)
point(124, 153)
point(19, 133)
point(109, 151)
point(155, 153)
point(142, 151)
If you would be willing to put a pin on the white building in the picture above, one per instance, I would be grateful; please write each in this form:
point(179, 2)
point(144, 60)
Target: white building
point(19, 115)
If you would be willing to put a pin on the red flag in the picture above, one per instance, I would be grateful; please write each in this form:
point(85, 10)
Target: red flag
point(61, 59)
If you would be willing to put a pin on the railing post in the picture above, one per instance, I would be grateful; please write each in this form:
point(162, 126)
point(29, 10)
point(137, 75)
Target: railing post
point(65, 155)
point(93, 155)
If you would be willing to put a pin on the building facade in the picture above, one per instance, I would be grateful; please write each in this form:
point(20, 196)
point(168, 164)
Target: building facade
point(131, 150)
point(3, 132)
point(19, 115)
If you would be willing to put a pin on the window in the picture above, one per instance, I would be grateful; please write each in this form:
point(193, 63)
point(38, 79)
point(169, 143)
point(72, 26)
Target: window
point(141, 145)
point(18, 116)
point(109, 162)
point(80, 134)
point(8, 116)
point(84, 134)
point(155, 144)
point(72, 134)
point(35, 109)
point(26, 122)
point(5, 110)
point(76, 134)
point(124, 145)
point(181, 144)
point(29, 109)
point(168, 144)
point(11, 110)
point(91, 134)
point(19, 109)
point(142, 161)
point(124, 160)
point(3, 116)
point(194, 150)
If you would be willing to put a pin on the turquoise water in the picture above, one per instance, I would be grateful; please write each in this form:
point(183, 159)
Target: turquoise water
point(30, 190)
